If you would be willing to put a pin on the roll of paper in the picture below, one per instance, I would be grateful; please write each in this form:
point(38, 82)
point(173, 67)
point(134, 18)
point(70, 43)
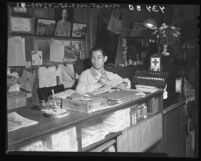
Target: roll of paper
point(178, 85)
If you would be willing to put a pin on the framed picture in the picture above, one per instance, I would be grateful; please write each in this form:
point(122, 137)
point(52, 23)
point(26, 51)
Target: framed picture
point(63, 29)
point(79, 30)
point(45, 27)
point(21, 25)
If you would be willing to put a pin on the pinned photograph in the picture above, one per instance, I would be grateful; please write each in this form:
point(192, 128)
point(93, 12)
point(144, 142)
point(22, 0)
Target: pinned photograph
point(37, 58)
point(79, 30)
point(45, 27)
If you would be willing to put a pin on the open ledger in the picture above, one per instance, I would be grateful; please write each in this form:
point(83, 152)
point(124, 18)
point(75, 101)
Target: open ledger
point(16, 121)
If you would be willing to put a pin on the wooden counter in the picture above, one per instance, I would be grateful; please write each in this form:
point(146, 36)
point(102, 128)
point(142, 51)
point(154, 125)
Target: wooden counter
point(49, 125)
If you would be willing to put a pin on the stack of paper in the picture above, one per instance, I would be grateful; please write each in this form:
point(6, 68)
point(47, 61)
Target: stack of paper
point(145, 88)
point(118, 120)
point(88, 139)
point(94, 133)
point(64, 140)
point(16, 51)
point(15, 121)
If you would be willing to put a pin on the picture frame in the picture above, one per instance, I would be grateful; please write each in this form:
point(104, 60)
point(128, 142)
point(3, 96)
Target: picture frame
point(45, 27)
point(19, 24)
point(79, 30)
point(66, 33)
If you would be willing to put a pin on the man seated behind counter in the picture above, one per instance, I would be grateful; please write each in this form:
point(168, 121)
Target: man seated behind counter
point(97, 79)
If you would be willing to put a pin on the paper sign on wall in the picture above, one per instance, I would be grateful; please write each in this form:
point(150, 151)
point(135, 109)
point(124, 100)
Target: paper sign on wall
point(16, 51)
point(57, 50)
point(27, 80)
point(47, 76)
point(37, 58)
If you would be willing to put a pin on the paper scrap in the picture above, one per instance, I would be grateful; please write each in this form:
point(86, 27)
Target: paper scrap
point(16, 121)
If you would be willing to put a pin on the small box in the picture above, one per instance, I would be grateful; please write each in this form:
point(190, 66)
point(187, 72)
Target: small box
point(133, 115)
point(16, 100)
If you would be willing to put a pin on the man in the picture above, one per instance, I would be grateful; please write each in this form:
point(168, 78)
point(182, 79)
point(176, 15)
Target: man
point(97, 79)
point(63, 27)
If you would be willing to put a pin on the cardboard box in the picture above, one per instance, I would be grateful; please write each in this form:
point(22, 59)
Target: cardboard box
point(16, 100)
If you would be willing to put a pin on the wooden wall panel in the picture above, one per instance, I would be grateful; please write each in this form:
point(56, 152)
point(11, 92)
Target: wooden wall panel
point(142, 136)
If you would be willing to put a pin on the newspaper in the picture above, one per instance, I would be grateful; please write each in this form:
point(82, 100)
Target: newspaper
point(16, 121)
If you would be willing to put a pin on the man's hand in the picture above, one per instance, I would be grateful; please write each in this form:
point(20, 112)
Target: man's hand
point(125, 84)
point(122, 85)
point(101, 90)
point(104, 81)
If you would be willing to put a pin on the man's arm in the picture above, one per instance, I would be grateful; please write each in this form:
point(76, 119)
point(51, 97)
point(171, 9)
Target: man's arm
point(119, 82)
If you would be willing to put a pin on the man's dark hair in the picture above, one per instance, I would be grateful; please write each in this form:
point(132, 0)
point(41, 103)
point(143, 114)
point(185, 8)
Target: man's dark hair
point(97, 48)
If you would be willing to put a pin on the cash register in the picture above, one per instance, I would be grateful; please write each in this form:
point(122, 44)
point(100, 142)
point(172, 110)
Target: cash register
point(150, 81)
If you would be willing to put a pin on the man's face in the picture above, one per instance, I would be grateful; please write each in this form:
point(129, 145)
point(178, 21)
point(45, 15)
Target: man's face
point(64, 14)
point(98, 59)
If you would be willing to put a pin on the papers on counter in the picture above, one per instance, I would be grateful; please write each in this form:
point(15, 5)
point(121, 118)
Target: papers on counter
point(16, 121)
point(144, 88)
point(114, 122)
point(64, 94)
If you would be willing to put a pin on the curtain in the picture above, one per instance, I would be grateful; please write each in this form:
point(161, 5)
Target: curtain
point(90, 17)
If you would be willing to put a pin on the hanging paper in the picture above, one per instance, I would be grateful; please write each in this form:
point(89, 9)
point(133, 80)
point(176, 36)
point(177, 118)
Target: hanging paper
point(58, 48)
point(16, 51)
point(27, 80)
point(47, 76)
point(66, 75)
point(115, 22)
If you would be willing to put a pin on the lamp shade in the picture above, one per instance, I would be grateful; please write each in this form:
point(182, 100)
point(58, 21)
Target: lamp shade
point(150, 23)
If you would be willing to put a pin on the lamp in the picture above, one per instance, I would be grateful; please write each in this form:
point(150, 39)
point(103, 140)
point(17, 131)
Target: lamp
point(150, 23)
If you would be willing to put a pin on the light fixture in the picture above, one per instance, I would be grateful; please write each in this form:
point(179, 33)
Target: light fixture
point(150, 23)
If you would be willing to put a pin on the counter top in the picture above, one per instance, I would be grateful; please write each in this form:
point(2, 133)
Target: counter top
point(48, 125)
